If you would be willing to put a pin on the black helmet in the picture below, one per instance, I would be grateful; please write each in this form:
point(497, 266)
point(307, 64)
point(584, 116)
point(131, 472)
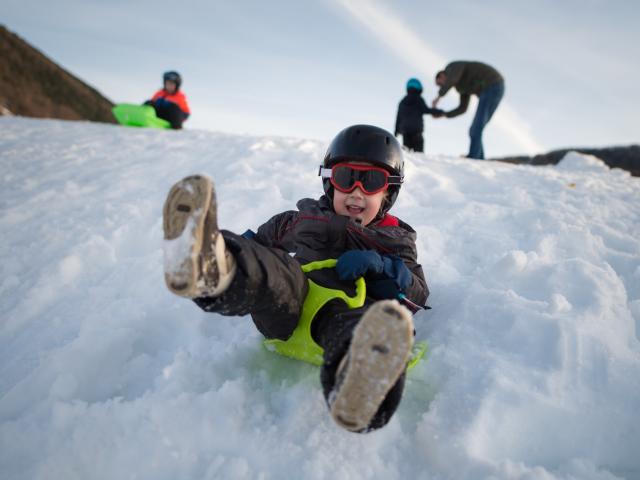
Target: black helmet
point(366, 143)
point(173, 76)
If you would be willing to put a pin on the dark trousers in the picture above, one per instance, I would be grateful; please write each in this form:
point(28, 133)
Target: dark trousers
point(270, 285)
point(487, 104)
point(170, 112)
point(413, 141)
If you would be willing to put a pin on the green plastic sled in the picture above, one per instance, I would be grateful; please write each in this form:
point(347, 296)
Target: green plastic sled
point(300, 345)
point(133, 115)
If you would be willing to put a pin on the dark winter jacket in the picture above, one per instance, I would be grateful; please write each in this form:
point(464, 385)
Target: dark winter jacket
point(468, 78)
point(316, 232)
point(410, 110)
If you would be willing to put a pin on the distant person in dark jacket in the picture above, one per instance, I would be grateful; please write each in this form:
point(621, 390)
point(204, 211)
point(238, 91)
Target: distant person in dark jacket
point(363, 349)
point(409, 121)
point(170, 103)
point(472, 78)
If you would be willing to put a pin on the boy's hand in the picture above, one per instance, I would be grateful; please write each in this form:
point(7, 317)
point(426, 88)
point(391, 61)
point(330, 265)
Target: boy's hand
point(357, 263)
point(394, 279)
point(387, 275)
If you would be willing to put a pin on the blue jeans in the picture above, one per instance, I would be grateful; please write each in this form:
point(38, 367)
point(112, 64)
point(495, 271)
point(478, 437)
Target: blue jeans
point(487, 104)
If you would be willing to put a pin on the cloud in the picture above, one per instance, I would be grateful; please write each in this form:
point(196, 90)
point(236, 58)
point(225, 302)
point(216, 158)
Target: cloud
point(388, 28)
point(395, 34)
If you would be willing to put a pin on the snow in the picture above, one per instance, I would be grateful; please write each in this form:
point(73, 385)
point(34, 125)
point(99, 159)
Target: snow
point(179, 248)
point(534, 362)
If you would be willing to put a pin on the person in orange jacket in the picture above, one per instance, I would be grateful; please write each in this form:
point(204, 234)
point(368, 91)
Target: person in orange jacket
point(169, 102)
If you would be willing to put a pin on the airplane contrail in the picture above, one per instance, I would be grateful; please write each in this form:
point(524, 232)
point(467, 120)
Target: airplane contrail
point(395, 34)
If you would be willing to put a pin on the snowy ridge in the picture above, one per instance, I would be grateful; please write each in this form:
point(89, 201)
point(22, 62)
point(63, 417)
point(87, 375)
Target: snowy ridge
point(534, 369)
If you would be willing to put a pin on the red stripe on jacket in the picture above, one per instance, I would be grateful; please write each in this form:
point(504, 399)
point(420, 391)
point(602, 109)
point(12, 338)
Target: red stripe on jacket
point(388, 221)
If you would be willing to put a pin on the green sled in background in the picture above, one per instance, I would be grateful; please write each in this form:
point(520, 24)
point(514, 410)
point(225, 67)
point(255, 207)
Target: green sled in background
point(133, 115)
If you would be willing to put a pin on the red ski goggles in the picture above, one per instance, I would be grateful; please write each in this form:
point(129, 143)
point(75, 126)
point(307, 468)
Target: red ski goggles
point(345, 177)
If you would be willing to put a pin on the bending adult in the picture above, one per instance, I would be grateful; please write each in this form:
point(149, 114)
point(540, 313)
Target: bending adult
point(472, 78)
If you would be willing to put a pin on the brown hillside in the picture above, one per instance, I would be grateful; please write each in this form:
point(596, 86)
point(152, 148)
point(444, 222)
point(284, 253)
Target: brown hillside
point(32, 85)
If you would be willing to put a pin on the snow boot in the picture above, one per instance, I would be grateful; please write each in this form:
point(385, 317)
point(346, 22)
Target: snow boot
point(378, 355)
point(196, 260)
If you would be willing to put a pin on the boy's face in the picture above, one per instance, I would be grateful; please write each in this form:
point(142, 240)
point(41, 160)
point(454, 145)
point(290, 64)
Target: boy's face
point(357, 205)
point(170, 86)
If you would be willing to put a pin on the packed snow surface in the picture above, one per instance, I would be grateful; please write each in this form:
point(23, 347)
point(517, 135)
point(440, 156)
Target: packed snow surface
point(534, 362)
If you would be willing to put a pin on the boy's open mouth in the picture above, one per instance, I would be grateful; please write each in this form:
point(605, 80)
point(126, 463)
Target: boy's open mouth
point(354, 209)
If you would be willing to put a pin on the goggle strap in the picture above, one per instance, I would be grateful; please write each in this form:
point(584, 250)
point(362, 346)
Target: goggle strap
point(324, 172)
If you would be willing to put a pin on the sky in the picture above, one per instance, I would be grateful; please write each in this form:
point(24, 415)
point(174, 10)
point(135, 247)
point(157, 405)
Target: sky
point(308, 69)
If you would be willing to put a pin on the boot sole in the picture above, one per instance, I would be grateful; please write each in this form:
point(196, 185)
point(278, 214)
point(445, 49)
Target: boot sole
point(378, 355)
point(184, 214)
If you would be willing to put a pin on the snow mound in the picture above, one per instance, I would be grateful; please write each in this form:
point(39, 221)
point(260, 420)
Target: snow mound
point(534, 361)
point(582, 162)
